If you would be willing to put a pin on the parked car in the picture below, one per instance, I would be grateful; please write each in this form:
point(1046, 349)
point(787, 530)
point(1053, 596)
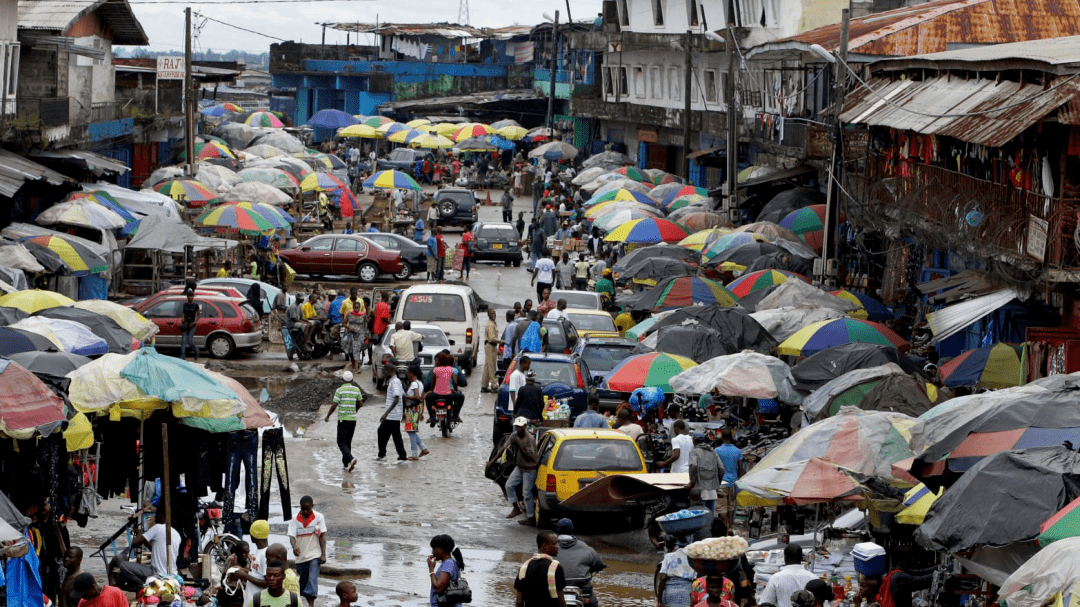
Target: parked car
point(412, 253)
point(455, 308)
point(561, 335)
point(584, 300)
point(572, 458)
point(456, 207)
point(404, 160)
point(435, 341)
point(497, 242)
point(592, 322)
point(225, 324)
point(549, 369)
point(602, 353)
point(207, 291)
point(341, 254)
point(268, 292)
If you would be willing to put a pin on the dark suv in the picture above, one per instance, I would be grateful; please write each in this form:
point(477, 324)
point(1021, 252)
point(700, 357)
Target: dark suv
point(404, 159)
point(497, 242)
point(456, 207)
point(559, 376)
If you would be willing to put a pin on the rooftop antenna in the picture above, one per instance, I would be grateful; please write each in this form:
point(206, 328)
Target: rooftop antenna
point(463, 12)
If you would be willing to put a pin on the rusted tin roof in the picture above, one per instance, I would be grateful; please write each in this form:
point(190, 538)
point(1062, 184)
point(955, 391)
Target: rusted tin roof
point(59, 15)
point(982, 111)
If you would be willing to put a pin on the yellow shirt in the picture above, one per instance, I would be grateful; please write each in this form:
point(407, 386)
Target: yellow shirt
point(308, 310)
point(292, 581)
point(624, 321)
point(347, 306)
point(222, 273)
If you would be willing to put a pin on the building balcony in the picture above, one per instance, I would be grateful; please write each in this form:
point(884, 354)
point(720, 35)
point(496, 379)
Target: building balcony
point(36, 112)
point(567, 83)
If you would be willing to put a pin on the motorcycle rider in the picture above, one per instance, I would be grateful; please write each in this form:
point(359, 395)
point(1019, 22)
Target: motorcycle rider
point(579, 560)
point(296, 325)
point(442, 384)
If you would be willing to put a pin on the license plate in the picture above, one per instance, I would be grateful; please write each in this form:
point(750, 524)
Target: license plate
point(496, 246)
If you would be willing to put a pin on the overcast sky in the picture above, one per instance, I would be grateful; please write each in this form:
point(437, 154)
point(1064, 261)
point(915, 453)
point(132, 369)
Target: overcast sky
point(164, 23)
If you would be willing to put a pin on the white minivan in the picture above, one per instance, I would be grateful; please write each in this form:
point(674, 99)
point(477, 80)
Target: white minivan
point(454, 308)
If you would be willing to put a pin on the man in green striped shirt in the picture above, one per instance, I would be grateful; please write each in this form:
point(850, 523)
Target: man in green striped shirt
point(347, 399)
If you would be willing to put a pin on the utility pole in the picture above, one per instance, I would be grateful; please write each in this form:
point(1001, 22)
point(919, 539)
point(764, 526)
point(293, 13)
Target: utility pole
point(731, 190)
point(189, 95)
point(551, 84)
point(688, 71)
point(832, 203)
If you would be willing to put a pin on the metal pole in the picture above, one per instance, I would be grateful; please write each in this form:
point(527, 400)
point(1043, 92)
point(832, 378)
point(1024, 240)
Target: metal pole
point(189, 101)
point(166, 493)
point(688, 68)
point(554, 66)
point(569, 19)
point(828, 247)
point(731, 195)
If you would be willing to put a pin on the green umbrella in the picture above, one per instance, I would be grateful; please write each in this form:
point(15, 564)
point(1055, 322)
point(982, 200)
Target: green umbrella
point(1066, 523)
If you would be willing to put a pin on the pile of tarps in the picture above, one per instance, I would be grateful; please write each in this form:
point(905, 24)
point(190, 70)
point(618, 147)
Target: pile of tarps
point(747, 374)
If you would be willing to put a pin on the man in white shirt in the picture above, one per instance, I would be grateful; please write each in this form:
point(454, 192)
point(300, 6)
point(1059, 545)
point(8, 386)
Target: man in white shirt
point(681, 446)
point(307, 533)
point(624, 424)
point(559, 311)
point(403, 342)
point(399, 198)
point(390, 422)
point(517, 379)
point(791, 578)
point(543, 274)
point(154, 537)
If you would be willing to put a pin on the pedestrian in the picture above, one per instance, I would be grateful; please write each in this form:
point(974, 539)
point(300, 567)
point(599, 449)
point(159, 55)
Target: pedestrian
point(278, 552)
point(491, 353)
point(346, 594)
point(307, 533)
point(565, 270)
point(255, 577)
point(520, 224)
point(403, 343)
point(581, 274)
point(508, 340)
point(356, 324)
point(414, 413)
point(604, 285)
point(382, 315)
point(532, 336)
point(232, 590)
point(189, 318)
point(559, 312)
point(162, 560)
point(347, 399)
point(598, 267)
point(86, 593)
point(418, 231)
point(390, 420)
point(591, 418)
point(626, 425)
point(578, 559)
point(73, 557)
point(549, 222)
point(225, 270)
point(543, 274)
point(706, 470)
point(440, 251)
point(734, 467)
point(467, 240)
point(530, 399)
point(676, 579)
point(275, 594)
point(432, 215)
point(547, 304)
point(541, 579)
point(789, 579)
point(507, 205)
point(563, 232)
point(432, 257)
point(537, 244)
point(538, 190)
point(714, 586)
point(681, 446)
point(517, 379)
point(525, 464)
point(445, 564)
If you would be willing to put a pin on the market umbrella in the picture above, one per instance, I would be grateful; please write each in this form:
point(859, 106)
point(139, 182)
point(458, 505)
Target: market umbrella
point(221, 109)
point(1051, 572)
point(800, 294)
point(211, 149)
point(323, 163)
point(868, 308)
point(681, 202)
point(11, 315)
point(606, 159)
point(233, 217)
point(275, 215)
point(787, 201)
point(332, 119)
point(770, 230)
point(613, 217)
point(476, 144)
point(884, 388)
point(657, 250)
point(391, 128)
point(828, 333)
point(610, 206)
point(26, 403)
point(281, 140)
point(419, 122)
point(811, 481)
point(1066, 523)
point(680, 291)
point(995, 366)
point(540, 133)
point(697, 342)
point(633, 173)
point(474, 129)
point(808, 224)
point(32, 300)
point(217, 176)
point(1003, 499)
point(701, 239)
point(818, 369)
point(740, 257)
point(190, 192)
point(264, 150)
point(728, 241)
point(446, 129)
point(375, 121)
point(255, 191)
point(116, 338)
point(737, 328)
point(177, 381)
point(109, 202)
point(650, 230)
point(613, 181)
point(670, 193)
point(392, 179)
point(81, 213)
point(657, 268)
point(264, 119)
point(587, 175)
point(69, 335)
point(511, 132)
point(637, 332)
point(917, 502)
point(756, 281)
point(621, 195)
point(13, 341)
point(505, 122)
point(272, 177)
point(747, 374)
point(131, 321)
point(321, 182)
point(406, 136)
point(237, 135)
point(296, 168)
point(430, 141)
point(646, 371)
point(661, 177)
point(52, 364)
point(362, 131)
point(555, 150)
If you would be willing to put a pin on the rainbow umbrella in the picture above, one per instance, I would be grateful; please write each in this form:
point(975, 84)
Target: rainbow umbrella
point(702, 220)
point(512, 132)
point(221, 109)
point(994, 366)
point(651, 370)
point(211, 149)
point(868, 307)
point(375, 121)
point(432, 141)
point(621, 195)
point(474, 129)
point(762, 279)
point(321, 182)
point(33, 300)
point(633, 173)
point(700, 240)
point(189, 191)
point(405, 136)
point(808, 223)
point(363, 131)
point(446, 129)
point(681, 291)
point(26, 403)
point(264, 119)
point(686, 190)
point(828, 333)
point(279, 218)
point(1066, 523)
point(79, 259)
point(730, 241)
point(682, 202)
point(419, 122)
point(106, 200)
point(234, 217)
point(614, 217)
point(392, 179)
point(390, 128)
point(649, 230)
point(617, 205)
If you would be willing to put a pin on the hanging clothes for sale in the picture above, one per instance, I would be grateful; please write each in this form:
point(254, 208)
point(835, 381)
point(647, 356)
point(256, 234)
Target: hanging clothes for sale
point(118, 465)
point(273, 458)
point(241, 448)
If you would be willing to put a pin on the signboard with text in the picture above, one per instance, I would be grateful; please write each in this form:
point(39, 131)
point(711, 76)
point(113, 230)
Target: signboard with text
point(170, 68)
point(1037, 231)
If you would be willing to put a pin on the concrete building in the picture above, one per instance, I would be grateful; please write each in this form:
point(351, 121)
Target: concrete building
point(9, 56)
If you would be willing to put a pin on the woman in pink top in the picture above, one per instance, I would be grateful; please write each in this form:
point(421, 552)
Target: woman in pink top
point(443, 386)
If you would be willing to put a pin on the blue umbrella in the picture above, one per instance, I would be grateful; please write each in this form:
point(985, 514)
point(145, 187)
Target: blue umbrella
point(332, 119)
point(501, 142)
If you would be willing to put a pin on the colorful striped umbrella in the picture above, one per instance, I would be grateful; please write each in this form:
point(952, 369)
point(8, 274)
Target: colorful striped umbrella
point(234, 217)
point(762, 279)
point(33, 300)
point(419, 122)
point(264, 119)
point(392, 179)
point(26, 403)
point(868, 307)
point(1066, 523)
point(277, 178)
point(390, 128)
point(279, 218)
point(917, 502)
point(808, 223)
point(321, 182)
point(432, 141)
point(730, 241)
point(698, 241)
point(474, 129)
point(621, 195)
point(650, 230)
point(193, 193)
point(211, 149)
point(686, 190)
point(683, 202)
point(363, 131)
point(811, 481)
point(612, 217)
point(618, 205)
point(106, 200)
point(633, 173)
point(681, 291)
point(512, 132)
point(828, 333)
point(651, 370)
point(79, 259)
point(405, 136)
point(994, 366)
point(375, 121)
point(221, 109)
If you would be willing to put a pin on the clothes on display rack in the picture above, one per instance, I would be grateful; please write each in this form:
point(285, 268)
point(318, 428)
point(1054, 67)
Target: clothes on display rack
point(273, 458)
point(241, 448)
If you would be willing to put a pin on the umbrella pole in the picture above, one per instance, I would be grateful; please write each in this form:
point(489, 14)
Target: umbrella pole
point(166, 487)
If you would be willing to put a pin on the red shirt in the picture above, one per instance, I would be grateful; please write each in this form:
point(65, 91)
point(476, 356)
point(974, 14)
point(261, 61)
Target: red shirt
point(467, 238)
point(442, 246)
point(382, 317)
point(110, 596)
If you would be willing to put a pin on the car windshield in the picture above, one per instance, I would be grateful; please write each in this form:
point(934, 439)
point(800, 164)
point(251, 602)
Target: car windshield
point(429, 307)
point(556, 337)
point(401, 155)
point(434, 338)
point(498, 232)
point(597, 454)
point(576, 299)
point(550, 372)
point(593, 322)
point(604, 358)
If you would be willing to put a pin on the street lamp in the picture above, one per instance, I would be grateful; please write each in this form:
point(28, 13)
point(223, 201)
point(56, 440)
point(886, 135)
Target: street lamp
point(554, 67)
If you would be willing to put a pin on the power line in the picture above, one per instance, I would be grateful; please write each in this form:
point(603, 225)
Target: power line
point(232, 2)
point(243, 29)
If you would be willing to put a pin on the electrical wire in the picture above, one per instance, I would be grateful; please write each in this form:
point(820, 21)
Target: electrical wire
point(243, 29)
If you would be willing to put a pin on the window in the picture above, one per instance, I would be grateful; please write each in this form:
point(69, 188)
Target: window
point(639, 81)
point(578, 299)
point(227, 311)
point(208, 311)
point(350, 245)
point(692, 12)
point(597, 454)
point(593, 322)
point(163, 309)
point(624, 14)
point(658, 12)
point(674, 83)
point(386, 242)
point(603, 358)
point(9, 76)
point(320, 244)
point(710, 86)
point(609, 78)
point(656, 81)
point(624, 86)
point(550, 372)
point(429, 307)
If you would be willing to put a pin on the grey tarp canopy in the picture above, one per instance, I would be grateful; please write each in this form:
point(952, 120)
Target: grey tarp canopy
point(893, 390)
point(162, 234)
point(820, 368)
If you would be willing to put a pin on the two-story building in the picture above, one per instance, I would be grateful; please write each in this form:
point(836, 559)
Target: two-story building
point(9, 56)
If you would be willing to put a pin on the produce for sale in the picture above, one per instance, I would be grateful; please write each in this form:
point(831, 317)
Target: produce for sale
point(718, 548)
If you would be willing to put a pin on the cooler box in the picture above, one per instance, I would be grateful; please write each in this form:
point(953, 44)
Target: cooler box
point(869, 559)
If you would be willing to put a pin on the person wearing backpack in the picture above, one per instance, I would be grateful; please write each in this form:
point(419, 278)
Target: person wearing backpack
point(275, 594)
point(444, 567)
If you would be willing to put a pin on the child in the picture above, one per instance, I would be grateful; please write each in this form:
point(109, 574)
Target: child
point(414, 413)
point(346, 592)
point(714, 585)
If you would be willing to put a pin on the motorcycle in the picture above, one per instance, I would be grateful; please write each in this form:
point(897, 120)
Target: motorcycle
point(579, 592)
point(444, 417)
point(292, 341)
point(213, 540)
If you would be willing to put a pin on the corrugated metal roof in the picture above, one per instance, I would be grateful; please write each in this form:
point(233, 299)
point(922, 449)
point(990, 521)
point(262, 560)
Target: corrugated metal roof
point(16, 170)
point(931, 27)
point(446, 30)
point(59, 15)
point(1055, 55)
point(90, 160)
point(971, 106)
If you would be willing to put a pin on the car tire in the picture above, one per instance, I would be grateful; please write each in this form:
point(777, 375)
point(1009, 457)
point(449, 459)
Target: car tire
point(507, 263)
point(637, 518)
point(367, 272)
point(447, 209)
point(405, 273)
point(517, 263)
point(220, 346)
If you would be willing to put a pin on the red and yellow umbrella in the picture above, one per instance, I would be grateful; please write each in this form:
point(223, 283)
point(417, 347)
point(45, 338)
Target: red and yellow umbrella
point(474, 129)
point(193, 193)
point(653, 370)
point(762, 279)
point(651, 230)
point(828, 333)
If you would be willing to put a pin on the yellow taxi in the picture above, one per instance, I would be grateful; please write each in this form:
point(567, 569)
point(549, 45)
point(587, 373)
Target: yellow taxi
point(592, 323)
point(573, 458)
